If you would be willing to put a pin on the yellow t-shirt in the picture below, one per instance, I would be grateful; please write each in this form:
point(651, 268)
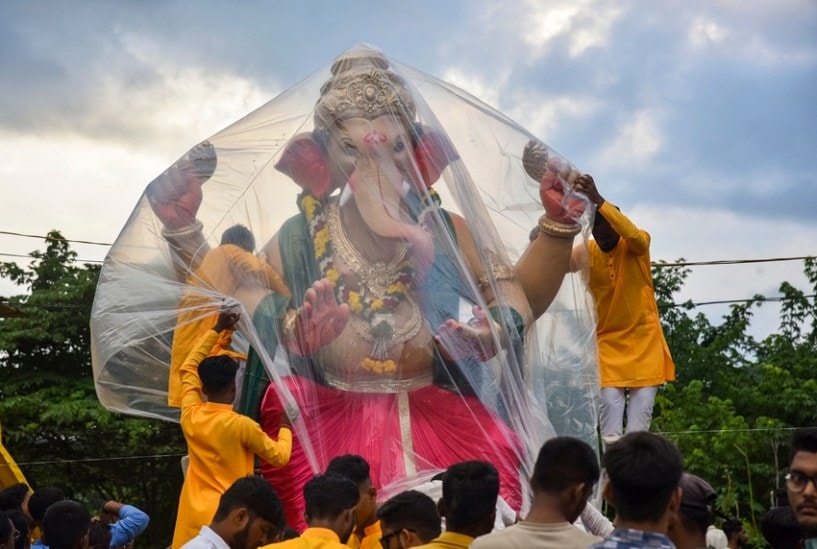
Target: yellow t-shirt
point(221, 444)
point(632, 348)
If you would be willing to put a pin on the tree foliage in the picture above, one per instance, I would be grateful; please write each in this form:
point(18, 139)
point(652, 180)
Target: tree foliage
point(53, 424)
point(736, 399)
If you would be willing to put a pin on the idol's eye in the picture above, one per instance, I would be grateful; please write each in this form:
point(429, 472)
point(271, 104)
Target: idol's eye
point(400, 146)
point(349, 147)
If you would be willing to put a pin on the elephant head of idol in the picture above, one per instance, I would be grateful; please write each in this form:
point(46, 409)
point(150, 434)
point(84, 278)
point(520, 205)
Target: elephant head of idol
point(368, 143)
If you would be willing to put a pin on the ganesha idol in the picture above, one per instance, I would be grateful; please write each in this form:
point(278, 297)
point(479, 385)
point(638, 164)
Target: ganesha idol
point(396, 316)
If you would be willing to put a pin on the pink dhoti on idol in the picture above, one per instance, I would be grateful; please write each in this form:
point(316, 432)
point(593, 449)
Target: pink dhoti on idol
point(401, 430)
point(417, 321)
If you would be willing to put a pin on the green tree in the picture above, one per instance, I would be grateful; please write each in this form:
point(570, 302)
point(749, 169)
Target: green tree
point(53, 424)
point(736, 399)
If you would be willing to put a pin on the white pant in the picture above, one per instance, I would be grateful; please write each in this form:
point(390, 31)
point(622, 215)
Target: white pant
point(639, 409)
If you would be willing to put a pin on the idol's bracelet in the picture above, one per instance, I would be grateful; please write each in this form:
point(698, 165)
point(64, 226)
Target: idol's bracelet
point(559, 230)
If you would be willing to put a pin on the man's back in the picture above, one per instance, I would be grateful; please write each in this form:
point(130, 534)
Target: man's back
point(221, 444)
point(525, 535)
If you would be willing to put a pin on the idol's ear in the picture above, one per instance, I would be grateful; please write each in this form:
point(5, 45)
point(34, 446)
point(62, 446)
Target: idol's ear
point(304, 160)
point(433, 153)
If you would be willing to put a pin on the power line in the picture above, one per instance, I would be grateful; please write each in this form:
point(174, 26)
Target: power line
point(759, 299)
point(162, 456)
point(29, 257)
point(658, 264)
point(728, 261)
point(41, 237)
point(87, 460)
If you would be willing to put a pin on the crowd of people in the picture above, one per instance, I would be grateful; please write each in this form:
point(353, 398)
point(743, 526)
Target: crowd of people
point(653, 501)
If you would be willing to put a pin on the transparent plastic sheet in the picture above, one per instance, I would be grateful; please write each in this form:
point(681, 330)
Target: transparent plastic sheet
point(411, 196)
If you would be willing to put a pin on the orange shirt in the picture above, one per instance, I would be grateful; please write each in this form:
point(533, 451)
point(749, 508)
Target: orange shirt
point(371, 538)
point(221, 444)
point(312, 538)
point(224, 269)
point(632, 348)
point(10, 473)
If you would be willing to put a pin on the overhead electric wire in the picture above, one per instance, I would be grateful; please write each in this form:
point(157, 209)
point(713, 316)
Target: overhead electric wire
point(29, 257)
point(162, 456)
point(41, 237)
point(654, 263)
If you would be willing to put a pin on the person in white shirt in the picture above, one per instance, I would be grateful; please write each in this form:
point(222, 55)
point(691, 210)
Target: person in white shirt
point(248, 515)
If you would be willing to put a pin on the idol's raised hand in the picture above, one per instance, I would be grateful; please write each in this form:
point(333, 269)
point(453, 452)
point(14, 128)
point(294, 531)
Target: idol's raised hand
point(175, 196)
point(317, 322)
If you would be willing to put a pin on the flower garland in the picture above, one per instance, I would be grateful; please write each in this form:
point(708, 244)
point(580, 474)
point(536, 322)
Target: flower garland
point(375, 311)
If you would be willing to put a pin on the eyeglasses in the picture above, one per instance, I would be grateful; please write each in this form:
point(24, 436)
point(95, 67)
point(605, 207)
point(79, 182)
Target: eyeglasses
point(385, 540)
point(797, 482)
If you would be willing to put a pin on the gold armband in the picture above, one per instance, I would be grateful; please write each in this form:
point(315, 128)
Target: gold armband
point(288, 330)
point(559, 230)
point(500, 271)
point(182, 232)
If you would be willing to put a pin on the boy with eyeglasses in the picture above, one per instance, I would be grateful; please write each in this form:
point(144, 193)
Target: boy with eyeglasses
point(801, 482)
point(407, 520)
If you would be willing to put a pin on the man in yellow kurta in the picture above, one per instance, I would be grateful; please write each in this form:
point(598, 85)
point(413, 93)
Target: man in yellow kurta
point(330, 503)
point(633, 354)
point(366, 534)
point(230, 269)
point(221, 443)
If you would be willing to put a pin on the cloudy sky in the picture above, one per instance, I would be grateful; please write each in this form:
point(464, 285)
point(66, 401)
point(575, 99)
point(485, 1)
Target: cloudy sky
point(698, 118)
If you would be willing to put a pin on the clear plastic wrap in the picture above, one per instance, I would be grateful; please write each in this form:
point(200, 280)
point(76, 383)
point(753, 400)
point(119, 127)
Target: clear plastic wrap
point(396, 303)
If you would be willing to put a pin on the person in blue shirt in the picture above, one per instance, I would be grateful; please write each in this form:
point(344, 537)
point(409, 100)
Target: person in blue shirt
point(124, 522)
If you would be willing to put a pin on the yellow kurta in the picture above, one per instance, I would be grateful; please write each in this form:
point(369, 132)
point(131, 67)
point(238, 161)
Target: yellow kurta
point(312, 538)
point(221, 444)
point(10, 473)
point(632, 348)
point(224, 269)
point(371, 538)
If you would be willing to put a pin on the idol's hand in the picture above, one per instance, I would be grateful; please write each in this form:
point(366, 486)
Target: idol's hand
point(317, 322)
point(175, 196)
point(457, 341)
point(561, 202)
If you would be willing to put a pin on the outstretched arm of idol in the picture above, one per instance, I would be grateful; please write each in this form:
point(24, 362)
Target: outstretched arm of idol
point(374, 160)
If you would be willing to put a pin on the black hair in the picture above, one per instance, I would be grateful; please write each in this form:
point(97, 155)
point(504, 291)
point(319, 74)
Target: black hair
point(412, 510)
point(23, 538)
point(470, 490)
point(562, 462)
point(328, 496)
point(644, 471)
point(780, 528)
point(731, 526)
point(99, 535)
point(13, 496)
point(5, 526)
point(351, 466)
point(64, 524)
point(42, 499)
point(240, 236)
point(256, 495)
point(804, 440)
point(284, 533)
point(217, 373)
